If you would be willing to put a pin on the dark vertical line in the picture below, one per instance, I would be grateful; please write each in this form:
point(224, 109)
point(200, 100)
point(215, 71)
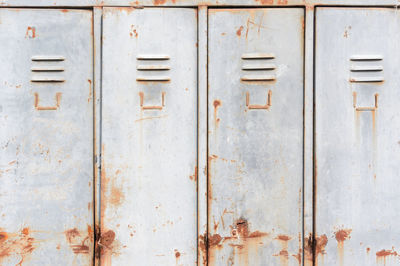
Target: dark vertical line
point(197, 138)
point(207, 177)
point(314, 145)
point(100, 126)
point(94, 137)
point(304, 130)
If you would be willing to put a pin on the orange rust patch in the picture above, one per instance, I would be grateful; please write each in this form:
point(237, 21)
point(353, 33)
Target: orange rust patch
point(214, 240)
point(194, 176)
point(257, 234)
point(265, 2)
point(368, 250)
point(342, 235)
point(239, 31)
point(3, 237)
point(384, 253)
point(78, 243)
point(107, 238)
point(30, 33)
point(16, 244)
point(117, 196)
point(320, 244)
point(90, 90)
point(283, 253)
point(283, 237)
point(64, 10)
point(177, 254)
point(282, 2)
point(159, 2)
point(308, 248)
point(217, 103)
point(133, 31)
point(71, 234)
point(25, 231)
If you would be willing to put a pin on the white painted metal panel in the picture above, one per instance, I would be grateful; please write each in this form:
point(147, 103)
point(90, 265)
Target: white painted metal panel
point(149, 140)
point(46, 137)
point(255, 136)
point(357, 136)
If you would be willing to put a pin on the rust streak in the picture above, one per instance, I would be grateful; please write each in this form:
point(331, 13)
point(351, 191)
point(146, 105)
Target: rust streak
point(30, 33)
point(239, 31)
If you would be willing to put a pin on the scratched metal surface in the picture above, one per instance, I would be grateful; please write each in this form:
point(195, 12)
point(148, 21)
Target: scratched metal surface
point(46, 158)
point(357, 140)
point(255, 155)
point(149, 149)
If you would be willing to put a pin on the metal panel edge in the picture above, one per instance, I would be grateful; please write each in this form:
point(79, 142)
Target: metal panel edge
point(202, 129)
point(97, 44)
point(308, 137)
point(181, 3)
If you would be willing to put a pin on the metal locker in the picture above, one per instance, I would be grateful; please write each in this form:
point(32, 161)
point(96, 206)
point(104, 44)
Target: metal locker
point(255, 141)
point(149, 136)
point(46, 140)
point(357, 145)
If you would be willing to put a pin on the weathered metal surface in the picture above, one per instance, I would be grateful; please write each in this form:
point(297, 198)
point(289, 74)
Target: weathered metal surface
point(149, 137)
point(179, 3)
point(46, 140)
point(356, 137)
point(255, 166)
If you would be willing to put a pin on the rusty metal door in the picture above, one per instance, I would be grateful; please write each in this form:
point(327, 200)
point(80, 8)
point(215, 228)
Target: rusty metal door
point(149, 137)
point(255, 114)
point(46, 140)
point(356, 136)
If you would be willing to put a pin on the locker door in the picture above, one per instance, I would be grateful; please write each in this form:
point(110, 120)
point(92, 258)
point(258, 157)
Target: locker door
point(46, 138)
point(357, 136)
point(255, 114)
point(148, 213)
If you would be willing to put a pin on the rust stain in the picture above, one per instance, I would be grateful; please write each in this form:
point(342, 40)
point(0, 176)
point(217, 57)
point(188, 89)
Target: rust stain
point(385, 253)
point(159, 2)
point(308, 248)
point(20, 244)
point(107, 238)
point(133, 31)
point(117, 196)
point(314, 246)
point(194, 176)
point(202, 249)
point(368, 250)
point(265, 2)
point(71, 234)
point(64, 10)
point(298, 256)
point(177, 254)
point(284, 257)
point(217, 104)
point(320, 244)
point(342, 235)
point(78, 243)
point(282, 2)
point(90, 90)
point(25, 231)
point(30, 33)
point(105, 246)
point(214, 240)
point(283, 237)
point(242, 241)
point(239, 31)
